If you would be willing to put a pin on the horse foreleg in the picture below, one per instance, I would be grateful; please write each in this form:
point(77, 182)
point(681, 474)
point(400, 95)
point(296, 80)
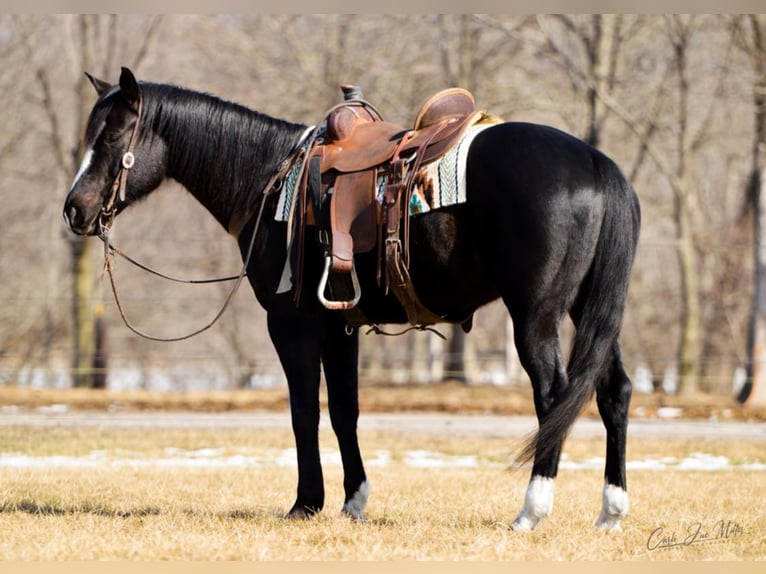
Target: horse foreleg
point(540, 355)
point(613, 400)
point(295, 336)
point(340, 352)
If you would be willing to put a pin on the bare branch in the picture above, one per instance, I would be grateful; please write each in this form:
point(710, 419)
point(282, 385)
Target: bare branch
point(54, 137)
point(571, 66)
point(651, 126)
point(635, 126)
point(151, 33)
point(569, 24)
point(713, 104)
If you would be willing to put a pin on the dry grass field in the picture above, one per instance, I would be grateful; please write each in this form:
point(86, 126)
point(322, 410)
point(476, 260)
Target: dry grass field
point(436, 397)
point(139, 494)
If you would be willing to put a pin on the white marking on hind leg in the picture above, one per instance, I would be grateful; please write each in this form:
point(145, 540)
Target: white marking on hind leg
point(614, 507)
point(356, 505)
point(538, 504)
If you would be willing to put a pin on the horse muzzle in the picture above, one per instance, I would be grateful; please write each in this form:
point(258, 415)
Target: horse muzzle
point(80, 220)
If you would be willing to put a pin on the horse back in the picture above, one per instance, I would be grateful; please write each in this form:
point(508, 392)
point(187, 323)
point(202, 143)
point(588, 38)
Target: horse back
point(537, 202)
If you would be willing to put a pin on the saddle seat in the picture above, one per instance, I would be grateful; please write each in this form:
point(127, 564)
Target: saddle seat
point(358, 148)
point(357, 143)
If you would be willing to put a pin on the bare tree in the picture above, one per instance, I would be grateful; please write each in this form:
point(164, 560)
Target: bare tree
point(615, 80)
point(466, 57)
point(752, 35)
point(599, 38)
point(687, 211)
point(91, 47)
point(676, 167)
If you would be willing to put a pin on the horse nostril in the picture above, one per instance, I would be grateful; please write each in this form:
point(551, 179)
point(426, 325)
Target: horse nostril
point(72, 216)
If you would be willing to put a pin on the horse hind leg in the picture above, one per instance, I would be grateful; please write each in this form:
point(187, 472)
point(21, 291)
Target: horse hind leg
point(613, 399)
point(540, 354)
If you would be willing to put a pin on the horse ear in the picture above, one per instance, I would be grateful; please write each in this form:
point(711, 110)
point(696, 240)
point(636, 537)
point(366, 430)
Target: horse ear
point(129, 87)
point(100, 85)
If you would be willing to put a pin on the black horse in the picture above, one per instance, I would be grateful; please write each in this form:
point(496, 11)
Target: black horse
point(550, 225)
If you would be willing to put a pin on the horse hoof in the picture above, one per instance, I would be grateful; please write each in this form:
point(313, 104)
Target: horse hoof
point(614, 508)
point(538, 503)
point(609, 523)
point(525, 523)
point(300, 513)
point(353, 516)
point(354, 507)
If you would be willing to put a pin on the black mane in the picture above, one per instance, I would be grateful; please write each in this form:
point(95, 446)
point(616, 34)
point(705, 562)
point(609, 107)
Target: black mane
point(218, 145)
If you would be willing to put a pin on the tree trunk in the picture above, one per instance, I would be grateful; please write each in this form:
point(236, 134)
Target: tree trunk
point(689, 342)
point(83, 316)
point(100, 349)
point(82, 312)
point(513, 369)
point(461, 74)
point(82, 247)
point(754, 391)
point(602, 47)
point(454, 362)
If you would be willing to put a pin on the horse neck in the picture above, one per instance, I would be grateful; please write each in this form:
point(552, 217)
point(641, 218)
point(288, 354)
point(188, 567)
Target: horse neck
point(222, 153)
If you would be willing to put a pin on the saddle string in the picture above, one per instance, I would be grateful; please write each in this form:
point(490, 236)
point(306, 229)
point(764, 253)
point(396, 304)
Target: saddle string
point(378, 331)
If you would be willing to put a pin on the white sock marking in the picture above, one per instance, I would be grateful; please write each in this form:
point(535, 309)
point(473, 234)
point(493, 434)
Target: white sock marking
point(538, 504)
point(614, 507)
point(355, 507)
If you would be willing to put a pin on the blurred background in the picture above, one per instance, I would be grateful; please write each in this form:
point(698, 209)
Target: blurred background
point(675, 100)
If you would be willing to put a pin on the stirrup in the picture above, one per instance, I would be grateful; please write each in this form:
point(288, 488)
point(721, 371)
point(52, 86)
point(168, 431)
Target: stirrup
point(338, 305)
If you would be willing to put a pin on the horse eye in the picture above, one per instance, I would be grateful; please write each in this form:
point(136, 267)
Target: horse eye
point(112, 137)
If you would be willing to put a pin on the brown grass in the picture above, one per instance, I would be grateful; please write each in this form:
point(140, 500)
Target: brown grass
point(438, 397)
point(432, 514)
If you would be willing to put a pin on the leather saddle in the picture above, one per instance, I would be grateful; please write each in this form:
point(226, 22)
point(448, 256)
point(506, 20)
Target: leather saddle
point(360, 159)
point(356, 143)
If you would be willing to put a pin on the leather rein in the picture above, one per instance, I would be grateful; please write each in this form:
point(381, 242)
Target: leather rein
point(108, 213)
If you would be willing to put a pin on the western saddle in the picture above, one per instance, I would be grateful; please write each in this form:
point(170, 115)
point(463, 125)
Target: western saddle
point(357, 190)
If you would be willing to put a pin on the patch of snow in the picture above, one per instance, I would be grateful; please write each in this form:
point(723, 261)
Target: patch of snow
point(669, 412)
point(670, 381)
point(702, 461)
point(57, 409)
point(217, 458)
point(430, 459)
point(642, 381)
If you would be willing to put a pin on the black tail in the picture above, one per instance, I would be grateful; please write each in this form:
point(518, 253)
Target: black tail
point(602, 298)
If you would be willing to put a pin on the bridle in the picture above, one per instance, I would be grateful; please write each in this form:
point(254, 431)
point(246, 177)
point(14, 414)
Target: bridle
point(108, 212)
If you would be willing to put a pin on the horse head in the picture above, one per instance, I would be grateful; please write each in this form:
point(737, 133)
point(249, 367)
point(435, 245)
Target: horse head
point(120, 164)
